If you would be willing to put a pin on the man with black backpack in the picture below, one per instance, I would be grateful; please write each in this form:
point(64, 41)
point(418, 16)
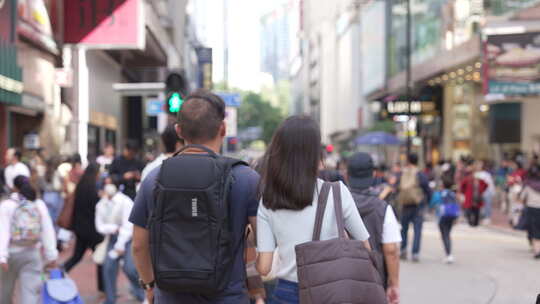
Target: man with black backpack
point(191, 213)
point(413, 194)
point(380, 221)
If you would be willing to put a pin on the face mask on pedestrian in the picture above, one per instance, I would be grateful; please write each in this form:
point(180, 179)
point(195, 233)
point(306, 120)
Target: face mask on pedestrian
point(110, 190)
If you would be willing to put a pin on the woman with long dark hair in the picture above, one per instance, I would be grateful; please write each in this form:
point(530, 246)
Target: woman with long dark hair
point(25, 228)
point(86, 199)
point(289, 191)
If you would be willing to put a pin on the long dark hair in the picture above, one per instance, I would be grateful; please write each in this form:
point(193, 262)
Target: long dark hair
point(290, 165)
point(22, 184)
point(88, 181)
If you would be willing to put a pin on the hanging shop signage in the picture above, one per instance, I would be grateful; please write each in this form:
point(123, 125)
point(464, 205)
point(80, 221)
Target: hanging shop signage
point(35, 24)
point(105, 24)
point(413, 108)
point(513, 64)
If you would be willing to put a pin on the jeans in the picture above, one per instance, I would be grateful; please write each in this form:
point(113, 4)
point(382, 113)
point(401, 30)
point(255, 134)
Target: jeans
point(25, 267)
point(473, 216)
point(411, 214)
point(488, 204)
point(445, 226)
point(110, 273)
point(286, 292)
point(54, 202)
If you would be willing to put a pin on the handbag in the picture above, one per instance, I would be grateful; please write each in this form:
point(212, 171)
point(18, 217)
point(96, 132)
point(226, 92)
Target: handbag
point(59, 289)
point(65, 219)
point(100, 253)
point(338, 270)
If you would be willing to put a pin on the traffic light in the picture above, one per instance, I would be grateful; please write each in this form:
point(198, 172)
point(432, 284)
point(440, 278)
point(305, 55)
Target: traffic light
point(175, 86)
point(174, 103)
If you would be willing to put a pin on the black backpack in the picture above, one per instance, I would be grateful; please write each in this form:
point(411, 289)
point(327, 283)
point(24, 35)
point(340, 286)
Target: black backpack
point(191, 241)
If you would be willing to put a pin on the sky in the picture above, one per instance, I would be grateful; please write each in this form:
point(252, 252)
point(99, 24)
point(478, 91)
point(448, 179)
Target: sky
point(244, 38)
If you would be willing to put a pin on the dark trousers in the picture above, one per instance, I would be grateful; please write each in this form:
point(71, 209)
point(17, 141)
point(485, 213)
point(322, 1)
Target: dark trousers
point(445, 226)
point(81, 245)
point(411, 214)
point(473, 216)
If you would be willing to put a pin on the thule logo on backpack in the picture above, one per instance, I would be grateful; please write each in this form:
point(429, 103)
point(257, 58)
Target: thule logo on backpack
point(194, 207)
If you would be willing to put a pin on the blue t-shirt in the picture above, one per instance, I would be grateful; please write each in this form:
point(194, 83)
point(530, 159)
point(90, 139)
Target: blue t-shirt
point(243, 204)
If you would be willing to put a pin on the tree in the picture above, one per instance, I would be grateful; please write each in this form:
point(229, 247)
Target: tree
point(255, 111)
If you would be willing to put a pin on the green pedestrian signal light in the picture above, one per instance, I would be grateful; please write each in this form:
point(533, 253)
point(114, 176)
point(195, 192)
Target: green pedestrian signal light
point(175, 102)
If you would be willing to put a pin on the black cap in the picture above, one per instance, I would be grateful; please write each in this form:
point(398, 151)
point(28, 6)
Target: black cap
point(360, 169)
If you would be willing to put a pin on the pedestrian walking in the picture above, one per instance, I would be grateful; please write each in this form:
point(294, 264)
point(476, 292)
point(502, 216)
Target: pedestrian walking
point(126, 169)
point(447, 210)
point(85, 200)
point(289, 192)
point(112, 221)
point(413, 192)
point(14, 167)
point(483, 174)
point(51, 185)
point(74, 174)
point(380, 220)
point(171, 230)
point(25, 228)
point(105, 160)
point(472, 190)
point(171, 143)
point(531, 197)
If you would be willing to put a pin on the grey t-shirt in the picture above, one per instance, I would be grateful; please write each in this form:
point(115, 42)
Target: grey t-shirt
point(284, 229)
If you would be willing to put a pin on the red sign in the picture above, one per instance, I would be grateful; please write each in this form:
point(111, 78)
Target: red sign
point(107, 24)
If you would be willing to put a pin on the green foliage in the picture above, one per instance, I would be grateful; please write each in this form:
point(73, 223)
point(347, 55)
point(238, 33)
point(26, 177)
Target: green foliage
point(257, 112)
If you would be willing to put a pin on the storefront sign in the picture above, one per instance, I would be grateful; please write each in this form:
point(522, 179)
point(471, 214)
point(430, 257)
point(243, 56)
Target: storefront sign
point(31, 141)
point(412, 108)
point(11, 85)
point(230, 99)
point(513, 64)
point(105, 24)
point(35, 24)
point(154, 107)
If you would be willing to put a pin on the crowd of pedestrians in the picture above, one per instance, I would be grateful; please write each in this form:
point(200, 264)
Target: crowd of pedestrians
point(195, 227)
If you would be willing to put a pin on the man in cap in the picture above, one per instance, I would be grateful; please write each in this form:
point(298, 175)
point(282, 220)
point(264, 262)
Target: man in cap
point(380, 221)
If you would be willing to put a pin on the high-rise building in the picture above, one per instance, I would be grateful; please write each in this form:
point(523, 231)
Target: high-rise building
point(278, 28)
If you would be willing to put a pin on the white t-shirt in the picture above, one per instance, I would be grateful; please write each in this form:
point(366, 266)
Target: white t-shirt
point(12, 171)
point(391, 229)
point(287, 228)
point(152, 165)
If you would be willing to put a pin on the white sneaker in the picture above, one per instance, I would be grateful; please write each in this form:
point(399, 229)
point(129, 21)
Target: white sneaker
point(449, 260)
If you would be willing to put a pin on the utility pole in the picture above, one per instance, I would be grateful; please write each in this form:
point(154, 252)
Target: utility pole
point(226, 44)
point(408, 74)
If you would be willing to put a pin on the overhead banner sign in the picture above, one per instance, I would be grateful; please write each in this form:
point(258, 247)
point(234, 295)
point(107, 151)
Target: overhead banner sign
point(105, 24)
point(513, 64)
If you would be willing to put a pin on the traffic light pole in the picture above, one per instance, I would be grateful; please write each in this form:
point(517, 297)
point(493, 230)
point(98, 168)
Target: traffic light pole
point(408, 75)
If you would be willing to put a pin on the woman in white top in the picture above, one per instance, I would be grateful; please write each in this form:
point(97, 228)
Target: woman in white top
point(112, 221)
point(25, 227)
point(289, 192)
